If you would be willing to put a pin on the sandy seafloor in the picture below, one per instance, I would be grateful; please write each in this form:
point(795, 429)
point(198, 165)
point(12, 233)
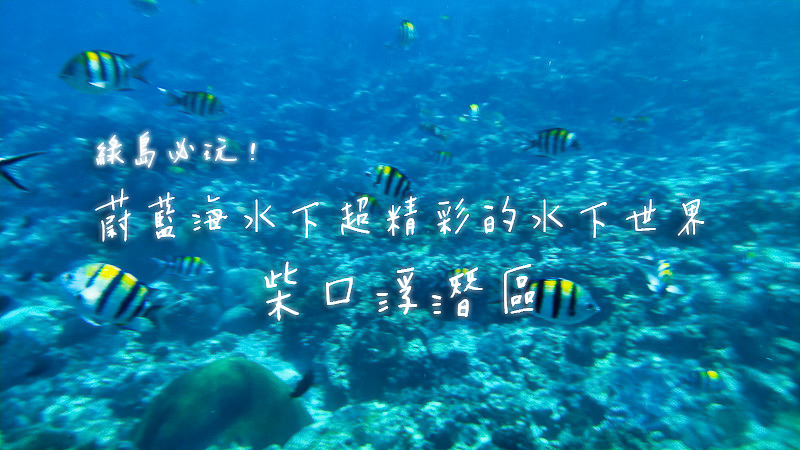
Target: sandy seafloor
point(324, 99)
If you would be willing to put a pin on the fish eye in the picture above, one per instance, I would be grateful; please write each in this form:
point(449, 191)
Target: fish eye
point(591, 307)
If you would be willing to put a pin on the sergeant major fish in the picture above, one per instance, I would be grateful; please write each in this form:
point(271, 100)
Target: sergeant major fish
point(407, 33)
point(99, 72)
point(390, 183)
point(557, 300)
point(185, 266)
point(442, 157)
point(444, 276)
point(103, 293)
point(552, 141)
point(704, 380)
point(371, 202)
point(474, 112)
point(197, 103)
point(453, 273)
point(661, 282)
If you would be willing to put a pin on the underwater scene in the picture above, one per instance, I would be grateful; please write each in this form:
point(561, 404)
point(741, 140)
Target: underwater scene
point(564, 224)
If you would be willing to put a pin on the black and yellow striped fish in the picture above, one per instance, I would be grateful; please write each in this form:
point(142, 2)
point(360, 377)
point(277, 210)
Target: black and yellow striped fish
point(557, 300)
point(452, 273)
point(372, 202)
point(705, 380)
point(98, 72)
point(661, 282)
point(461, 275)
point(186, 266)
point(197, 103)
point(552, 141)
point(390, 183)
point(407, 33)
point(106, 294)
point(442, 157)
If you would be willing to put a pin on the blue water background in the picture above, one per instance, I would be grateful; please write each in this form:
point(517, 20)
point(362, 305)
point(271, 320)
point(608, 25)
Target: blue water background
point(711, 75)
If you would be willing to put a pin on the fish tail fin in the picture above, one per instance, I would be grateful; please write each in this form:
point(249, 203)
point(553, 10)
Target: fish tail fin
point(12, 160)
point(174, 98)
point(304, 384)
point(162, 266)
point(13, 181)
point(138, 69)
point(530, 144)
point(527, 143)
point(153, 314)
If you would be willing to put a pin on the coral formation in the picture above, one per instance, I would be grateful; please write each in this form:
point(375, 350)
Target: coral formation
point(228, 401)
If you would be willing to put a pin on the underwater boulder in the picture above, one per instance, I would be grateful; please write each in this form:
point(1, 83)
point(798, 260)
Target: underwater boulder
point(243, 287)
point(239, 320)
point(25, 357)
point(228, 401)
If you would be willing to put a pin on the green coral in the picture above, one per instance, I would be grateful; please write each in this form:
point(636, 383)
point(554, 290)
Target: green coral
point(228, 401)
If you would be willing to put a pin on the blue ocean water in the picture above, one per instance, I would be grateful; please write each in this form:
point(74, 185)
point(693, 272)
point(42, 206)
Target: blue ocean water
point(694, 341)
